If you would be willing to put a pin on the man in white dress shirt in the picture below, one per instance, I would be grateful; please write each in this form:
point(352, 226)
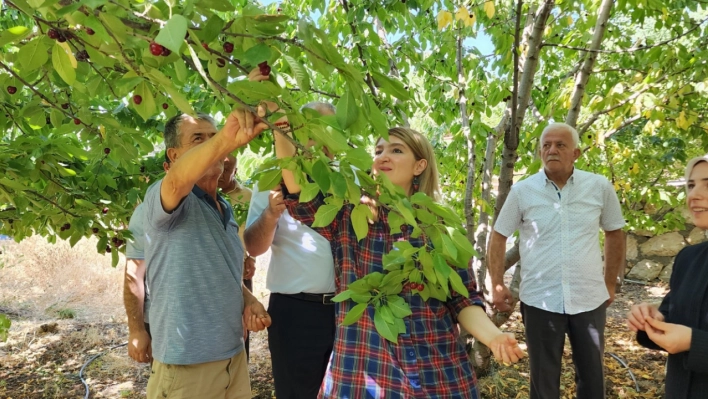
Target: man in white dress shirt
point(565, 285)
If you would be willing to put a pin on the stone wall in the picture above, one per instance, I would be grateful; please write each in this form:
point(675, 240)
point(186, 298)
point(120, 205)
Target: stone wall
point(650, 257)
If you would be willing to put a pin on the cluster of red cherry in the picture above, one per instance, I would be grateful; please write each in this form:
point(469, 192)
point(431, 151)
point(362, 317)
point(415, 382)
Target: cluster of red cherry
point(414, 286)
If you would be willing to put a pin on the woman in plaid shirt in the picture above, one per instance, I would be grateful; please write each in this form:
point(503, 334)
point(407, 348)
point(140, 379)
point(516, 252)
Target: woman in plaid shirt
point(429, 361)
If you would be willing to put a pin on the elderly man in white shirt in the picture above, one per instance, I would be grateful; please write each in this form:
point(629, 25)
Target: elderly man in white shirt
point(565, 287)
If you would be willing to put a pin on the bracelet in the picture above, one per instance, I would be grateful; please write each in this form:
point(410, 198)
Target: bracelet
point(283, 126)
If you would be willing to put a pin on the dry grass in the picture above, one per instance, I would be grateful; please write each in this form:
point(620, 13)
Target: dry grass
point(39, 280)
point(41, 286)
point(56, 280)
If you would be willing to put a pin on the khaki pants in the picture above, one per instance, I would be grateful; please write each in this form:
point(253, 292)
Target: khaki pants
point(224, 379)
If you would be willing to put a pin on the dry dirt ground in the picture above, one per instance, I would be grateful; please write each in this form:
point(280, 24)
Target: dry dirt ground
point(66, 307)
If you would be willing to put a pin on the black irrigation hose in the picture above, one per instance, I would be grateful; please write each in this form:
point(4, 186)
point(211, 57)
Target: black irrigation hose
point(622, 362)
point(81, 372)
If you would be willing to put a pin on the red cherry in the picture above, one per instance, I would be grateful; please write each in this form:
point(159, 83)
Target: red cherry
point(53, 34)
point(165, 52)
point(61, 38)
point(95, 230)
point(205, 45)
point(165, 106)
point(137, 99)
point(77, 121)
point(66, 226)
point(155, 49)
point(108, 249)
point(65, 106)
point(421, 286)
point(220, 62)
point(229, 47)
point(106, 151)
point(90, 31)
point(104, 210)
point(11, 89)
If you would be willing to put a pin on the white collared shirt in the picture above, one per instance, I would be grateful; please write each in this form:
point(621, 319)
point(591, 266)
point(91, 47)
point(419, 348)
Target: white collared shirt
point(562, 267)
point(301, 259)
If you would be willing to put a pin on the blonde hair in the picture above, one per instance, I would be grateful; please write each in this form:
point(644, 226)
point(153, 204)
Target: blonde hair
point(429, 182)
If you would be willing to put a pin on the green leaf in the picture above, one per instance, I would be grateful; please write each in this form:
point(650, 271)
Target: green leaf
point(308, 192)
point(386, 313)
point(146, 109)
point(394, 222)
point(179, 100)
point(172, 35)
point(360, 216)
point(398, 306)
point(325, 215)
point(405, 209)
point(378, 121)
point(257, 54)
point(33, 55)
point(14, 34)
point(374, 279)
point(212, 28)
point(329, 137)
point(299, 73)
point(361, 297)
point(62, 64)
point(385, 329)
point(360, 158)
point(342, 296)
point(339, 184)
point(347, 110)
point(449, 247)
point(269, 179)
point(457, 285)
point(392, 260)
point(391, 86)
point(426, 260)
point(320, 174)
point(426, 217)
point(354, 314)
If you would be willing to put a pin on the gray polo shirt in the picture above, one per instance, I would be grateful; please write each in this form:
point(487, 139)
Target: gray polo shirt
point(196, 267)
point(135, 249)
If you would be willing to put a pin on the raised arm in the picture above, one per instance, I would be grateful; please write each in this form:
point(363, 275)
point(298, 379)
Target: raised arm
point(284, 149)
point(239, 129)
point(258, 236)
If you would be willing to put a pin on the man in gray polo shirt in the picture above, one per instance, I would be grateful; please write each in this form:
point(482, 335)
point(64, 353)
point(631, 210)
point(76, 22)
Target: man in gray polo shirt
point(196, 266)
point(301, 281)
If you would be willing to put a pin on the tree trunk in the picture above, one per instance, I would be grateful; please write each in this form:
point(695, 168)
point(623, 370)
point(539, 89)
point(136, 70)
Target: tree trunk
point(581, 79)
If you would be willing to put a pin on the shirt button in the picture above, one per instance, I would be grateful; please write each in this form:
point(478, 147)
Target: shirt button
point(411, 353)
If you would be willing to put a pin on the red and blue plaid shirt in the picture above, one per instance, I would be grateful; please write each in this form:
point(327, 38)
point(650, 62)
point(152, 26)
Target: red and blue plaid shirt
point(429, 360)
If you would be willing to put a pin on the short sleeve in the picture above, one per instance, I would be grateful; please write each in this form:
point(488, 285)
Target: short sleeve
point(155, 215)
point(611, 218)
point(259, 202)
point(135, 248)
point(509, 219)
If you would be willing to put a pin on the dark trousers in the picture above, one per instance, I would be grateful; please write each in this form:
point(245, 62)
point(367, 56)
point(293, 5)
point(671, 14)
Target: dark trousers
point(249, 285)
point(300, 339)
point(545, 337)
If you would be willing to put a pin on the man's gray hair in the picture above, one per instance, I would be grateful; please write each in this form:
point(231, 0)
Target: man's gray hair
point(562, 126)
point(321, 107)
point(172, 128)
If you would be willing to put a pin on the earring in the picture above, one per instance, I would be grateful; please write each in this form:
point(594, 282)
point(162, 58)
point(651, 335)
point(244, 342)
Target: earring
point(416, 183)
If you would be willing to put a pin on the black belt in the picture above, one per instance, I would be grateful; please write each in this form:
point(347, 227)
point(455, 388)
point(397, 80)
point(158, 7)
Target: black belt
point(325, 299)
